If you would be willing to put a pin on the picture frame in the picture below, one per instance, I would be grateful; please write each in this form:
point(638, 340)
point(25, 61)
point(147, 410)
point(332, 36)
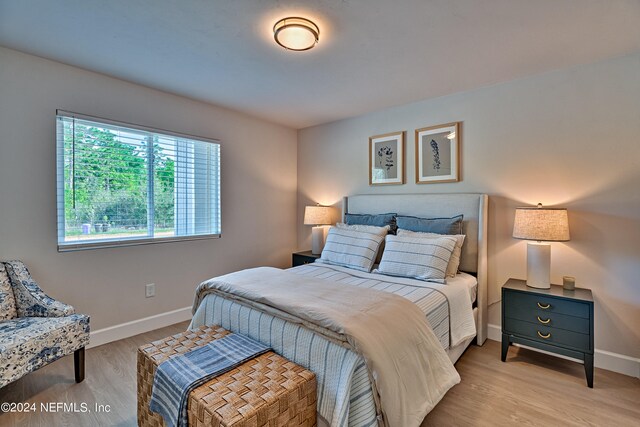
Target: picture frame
point(386, 159)
point(438, 154)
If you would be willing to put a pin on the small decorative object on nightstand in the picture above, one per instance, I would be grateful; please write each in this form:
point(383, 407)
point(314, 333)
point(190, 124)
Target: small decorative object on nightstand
point(554, 320)
point(568, 283)
point(301, 258)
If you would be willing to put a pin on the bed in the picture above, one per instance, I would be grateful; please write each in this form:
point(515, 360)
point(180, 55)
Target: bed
point(347, 393)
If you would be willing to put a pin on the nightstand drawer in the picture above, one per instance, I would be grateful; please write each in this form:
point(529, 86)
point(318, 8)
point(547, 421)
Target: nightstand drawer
point(518, 301)
point(549, 319)
point(555, 336)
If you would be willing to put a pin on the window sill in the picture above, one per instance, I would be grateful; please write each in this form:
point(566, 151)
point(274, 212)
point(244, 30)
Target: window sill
point(102, 244)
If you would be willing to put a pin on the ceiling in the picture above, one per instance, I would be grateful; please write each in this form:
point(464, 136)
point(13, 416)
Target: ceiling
point(372, 54)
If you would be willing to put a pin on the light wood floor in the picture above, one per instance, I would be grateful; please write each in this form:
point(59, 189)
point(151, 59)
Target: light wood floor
point(529, 389)
point(533, 389)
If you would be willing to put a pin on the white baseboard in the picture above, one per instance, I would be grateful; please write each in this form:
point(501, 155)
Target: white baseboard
point(494, 332)
point(617, 363)
point(603, 359)
point(135, 327)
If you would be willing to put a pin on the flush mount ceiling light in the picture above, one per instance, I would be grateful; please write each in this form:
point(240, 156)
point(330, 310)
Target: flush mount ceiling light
point(295, 33)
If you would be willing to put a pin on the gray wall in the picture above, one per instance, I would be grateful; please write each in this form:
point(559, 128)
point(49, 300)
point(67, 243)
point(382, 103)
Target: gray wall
point(565, 138)
point(258, 191)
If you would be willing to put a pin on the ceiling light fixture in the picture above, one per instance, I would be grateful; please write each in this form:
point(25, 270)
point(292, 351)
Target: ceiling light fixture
point(295, 33)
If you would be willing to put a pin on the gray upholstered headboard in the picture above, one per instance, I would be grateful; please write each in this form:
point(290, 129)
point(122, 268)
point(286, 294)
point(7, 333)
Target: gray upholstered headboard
point(472, 206)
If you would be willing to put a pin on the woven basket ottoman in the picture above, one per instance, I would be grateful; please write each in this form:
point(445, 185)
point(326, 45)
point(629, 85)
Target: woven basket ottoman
point(268, 390)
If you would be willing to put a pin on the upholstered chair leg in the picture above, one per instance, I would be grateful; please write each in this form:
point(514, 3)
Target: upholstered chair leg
point(78, 364)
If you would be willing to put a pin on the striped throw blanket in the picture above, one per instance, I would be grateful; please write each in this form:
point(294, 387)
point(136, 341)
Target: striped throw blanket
point(176, 377)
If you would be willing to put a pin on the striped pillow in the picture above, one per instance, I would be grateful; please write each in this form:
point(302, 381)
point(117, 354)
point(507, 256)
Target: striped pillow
point(419, 258)
point(454, 261)
point(383, 231)
point(351, 248)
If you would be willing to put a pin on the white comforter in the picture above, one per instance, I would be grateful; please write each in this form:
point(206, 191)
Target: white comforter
point(409, 369)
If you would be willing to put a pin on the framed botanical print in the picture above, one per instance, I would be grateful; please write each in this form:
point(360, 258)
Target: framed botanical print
point(437, 153)
point(386, 159)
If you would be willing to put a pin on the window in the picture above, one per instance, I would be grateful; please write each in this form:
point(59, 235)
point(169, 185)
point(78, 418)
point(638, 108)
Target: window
point(122, 184)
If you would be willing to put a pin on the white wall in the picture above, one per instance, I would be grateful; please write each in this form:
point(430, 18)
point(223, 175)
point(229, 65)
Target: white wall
point(565, 138)
point(258, 191)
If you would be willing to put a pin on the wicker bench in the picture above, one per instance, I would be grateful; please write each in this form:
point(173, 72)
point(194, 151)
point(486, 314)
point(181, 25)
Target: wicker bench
point(268, 391)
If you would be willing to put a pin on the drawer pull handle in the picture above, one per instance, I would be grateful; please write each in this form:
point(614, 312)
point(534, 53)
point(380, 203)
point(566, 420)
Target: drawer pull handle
point(544, 322)
point(546, 337)
point(544, 307)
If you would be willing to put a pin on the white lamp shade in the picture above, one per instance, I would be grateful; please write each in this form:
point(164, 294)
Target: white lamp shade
point(317, 215)
point(542, 224)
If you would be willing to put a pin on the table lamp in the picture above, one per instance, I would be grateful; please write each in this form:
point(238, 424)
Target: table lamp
point(317, 216)
point(542, 225)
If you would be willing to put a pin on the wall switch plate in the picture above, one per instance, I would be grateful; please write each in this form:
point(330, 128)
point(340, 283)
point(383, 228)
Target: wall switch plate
point(150, 290)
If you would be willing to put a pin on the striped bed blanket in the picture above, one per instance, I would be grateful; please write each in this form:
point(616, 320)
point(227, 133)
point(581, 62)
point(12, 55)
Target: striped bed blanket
point(447, 308)
point(346, 396)
point(176, 377)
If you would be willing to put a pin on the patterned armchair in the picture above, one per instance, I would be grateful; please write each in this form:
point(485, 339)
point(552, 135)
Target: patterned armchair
point(35, 329)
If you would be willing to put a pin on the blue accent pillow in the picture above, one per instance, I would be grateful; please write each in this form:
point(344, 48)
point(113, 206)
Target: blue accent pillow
point(449, 226)
point(378, 220)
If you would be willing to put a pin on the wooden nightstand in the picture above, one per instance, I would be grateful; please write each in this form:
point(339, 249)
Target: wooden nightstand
point(301, 258)
point(553, 320)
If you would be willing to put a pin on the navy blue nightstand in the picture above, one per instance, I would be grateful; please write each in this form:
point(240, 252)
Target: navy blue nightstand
point(554, 320)
point(301, 258)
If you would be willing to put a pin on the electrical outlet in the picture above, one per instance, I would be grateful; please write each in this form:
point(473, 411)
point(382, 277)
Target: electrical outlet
point(150, 290)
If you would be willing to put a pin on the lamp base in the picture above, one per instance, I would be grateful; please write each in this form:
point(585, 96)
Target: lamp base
point(539, 265)
point(317, 240)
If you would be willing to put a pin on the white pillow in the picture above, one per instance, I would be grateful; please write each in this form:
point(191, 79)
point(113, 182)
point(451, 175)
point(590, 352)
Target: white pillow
point(454, 262)
point(383, 231)
point(416, 257)
point(351, 248)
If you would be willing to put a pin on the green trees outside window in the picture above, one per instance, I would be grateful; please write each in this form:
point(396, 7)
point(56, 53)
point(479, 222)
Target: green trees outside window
point(122, 183)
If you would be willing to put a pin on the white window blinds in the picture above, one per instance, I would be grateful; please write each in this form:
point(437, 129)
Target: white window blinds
point(121, 184)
